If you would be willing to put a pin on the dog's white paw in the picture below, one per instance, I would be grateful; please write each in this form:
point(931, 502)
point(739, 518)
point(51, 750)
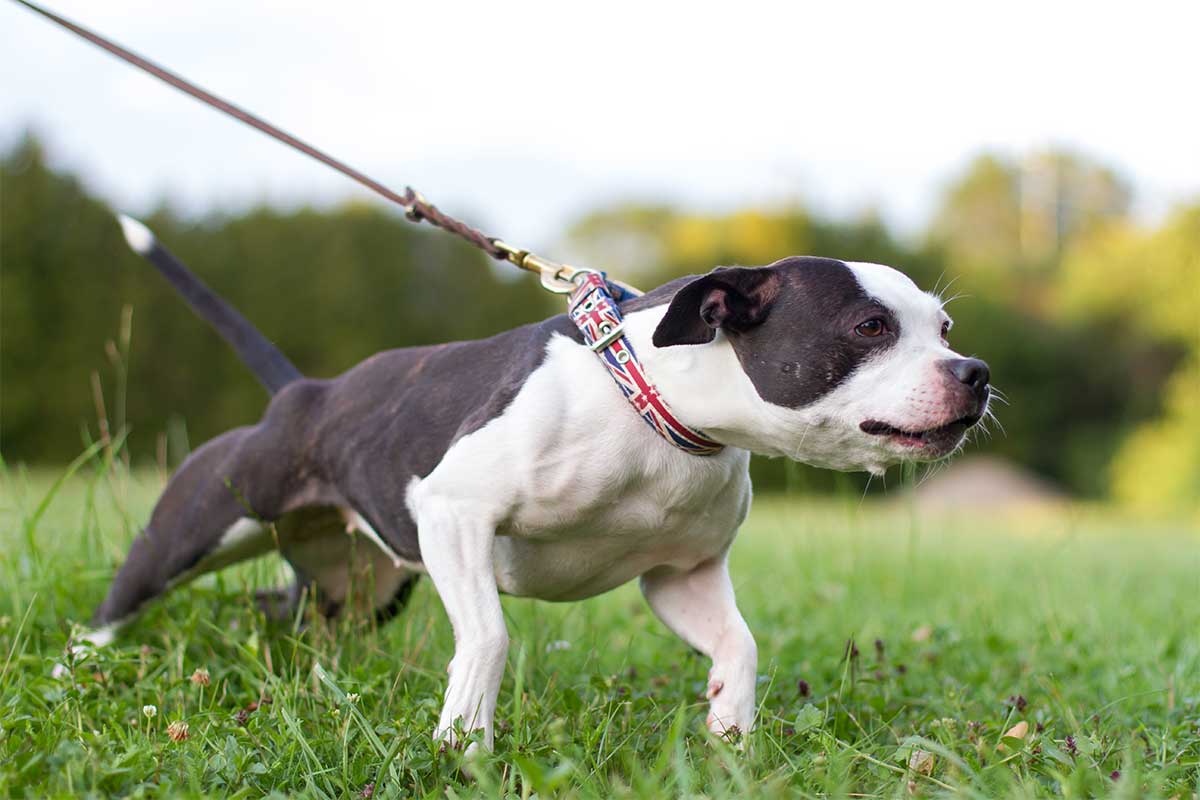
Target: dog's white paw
point(731, 709)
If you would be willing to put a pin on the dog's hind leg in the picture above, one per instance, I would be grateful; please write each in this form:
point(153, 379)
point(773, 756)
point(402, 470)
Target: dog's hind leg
point(344, 565)
point(202, 522)
point(248, 492)
point(213, 513)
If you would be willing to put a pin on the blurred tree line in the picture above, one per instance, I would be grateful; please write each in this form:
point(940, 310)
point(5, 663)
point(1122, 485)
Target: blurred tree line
point(329, 287)
point(1086, 320)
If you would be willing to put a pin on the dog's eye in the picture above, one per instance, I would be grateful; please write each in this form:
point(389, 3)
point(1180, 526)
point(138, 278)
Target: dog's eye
point(871, 328)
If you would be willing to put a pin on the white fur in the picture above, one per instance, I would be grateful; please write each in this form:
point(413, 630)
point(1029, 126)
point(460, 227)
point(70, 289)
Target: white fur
point(699, 606)
point(707, 387)
point(85, 644)
point(245, 538)
point(139, 237)
point(355, 522)
point(102, 636)
point(905, 387)
point(568, 494)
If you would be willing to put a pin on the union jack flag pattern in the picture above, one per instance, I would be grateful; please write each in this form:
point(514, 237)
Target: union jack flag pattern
point(594, 311)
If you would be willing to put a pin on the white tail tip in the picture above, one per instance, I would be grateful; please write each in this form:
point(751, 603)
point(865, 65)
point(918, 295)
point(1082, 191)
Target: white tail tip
point(138, 235)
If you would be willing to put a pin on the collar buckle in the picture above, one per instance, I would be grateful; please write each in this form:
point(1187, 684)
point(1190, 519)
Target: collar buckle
point(608, 334)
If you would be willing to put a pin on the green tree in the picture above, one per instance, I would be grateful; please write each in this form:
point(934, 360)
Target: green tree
point(1005, 217)
point(1158, 465)
point(330, 287)
point(1082, 366)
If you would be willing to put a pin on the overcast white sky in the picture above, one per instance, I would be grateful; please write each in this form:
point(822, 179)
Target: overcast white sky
point(523, 115)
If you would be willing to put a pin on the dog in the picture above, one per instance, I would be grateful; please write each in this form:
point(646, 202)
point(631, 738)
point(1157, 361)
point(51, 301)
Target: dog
point(513, 465)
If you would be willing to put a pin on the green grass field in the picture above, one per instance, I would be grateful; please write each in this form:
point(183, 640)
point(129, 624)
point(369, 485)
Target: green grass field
point(1082, 624)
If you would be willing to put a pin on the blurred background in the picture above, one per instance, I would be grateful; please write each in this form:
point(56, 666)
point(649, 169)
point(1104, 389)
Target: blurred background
point(1041, 166)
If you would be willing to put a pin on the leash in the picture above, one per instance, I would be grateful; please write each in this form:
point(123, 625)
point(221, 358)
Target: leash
point(593, 296)
point(554, 276)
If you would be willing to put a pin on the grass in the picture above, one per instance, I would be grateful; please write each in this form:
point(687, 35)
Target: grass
point(895, 654)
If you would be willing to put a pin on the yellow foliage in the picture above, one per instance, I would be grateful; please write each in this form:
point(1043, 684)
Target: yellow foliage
point(1161, 269)
point(1152, 280)
point(746, 238)
point(693, 239)
point(1159, 465)
point(754, 237)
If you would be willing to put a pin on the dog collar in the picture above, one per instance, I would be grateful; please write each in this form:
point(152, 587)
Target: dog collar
point(596, 315)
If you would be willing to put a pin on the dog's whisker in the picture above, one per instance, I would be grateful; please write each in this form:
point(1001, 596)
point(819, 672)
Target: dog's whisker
point(867, 488)
point(936, 291)
point(949, 284)
point(934, 469)
point(954, 297)
point(926, 473)
point(991, 417)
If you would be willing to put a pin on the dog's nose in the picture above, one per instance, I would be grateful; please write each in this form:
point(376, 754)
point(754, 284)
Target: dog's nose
point(971, 372)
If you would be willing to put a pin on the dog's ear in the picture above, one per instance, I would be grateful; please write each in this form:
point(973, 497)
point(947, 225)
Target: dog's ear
point(734, 299)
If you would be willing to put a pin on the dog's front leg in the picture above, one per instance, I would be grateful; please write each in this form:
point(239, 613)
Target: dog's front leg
point(699, 606)
point(456, 547)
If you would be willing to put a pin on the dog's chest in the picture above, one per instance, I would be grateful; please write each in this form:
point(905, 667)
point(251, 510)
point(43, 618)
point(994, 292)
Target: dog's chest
point(609, 526)
point(585, 495)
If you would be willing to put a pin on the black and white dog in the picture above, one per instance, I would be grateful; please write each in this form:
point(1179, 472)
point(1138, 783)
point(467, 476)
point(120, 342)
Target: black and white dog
point(514, 464)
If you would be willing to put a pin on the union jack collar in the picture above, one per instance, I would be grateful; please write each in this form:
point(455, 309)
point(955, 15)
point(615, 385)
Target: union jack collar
point(595, 312)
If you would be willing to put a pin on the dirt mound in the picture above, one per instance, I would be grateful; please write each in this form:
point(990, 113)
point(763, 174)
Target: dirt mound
point(985, 482)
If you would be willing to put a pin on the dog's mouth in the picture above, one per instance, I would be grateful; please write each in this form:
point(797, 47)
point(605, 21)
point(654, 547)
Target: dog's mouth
point(934, 441)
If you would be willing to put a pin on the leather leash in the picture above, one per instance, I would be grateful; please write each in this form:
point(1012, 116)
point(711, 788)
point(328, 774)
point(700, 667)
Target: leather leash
point(594, 298)
point(555, 277)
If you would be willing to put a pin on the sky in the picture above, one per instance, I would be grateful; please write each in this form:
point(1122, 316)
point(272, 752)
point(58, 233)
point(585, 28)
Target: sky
point(523, 116)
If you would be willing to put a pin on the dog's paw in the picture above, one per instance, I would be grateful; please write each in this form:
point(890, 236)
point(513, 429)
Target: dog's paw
point(732, 733)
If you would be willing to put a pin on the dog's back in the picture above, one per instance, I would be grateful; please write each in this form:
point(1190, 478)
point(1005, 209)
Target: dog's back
point(328, 455)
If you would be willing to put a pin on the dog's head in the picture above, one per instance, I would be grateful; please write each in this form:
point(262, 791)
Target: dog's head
point(849, 362)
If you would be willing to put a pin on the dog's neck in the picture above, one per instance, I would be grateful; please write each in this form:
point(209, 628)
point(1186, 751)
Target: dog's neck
point(707, 388)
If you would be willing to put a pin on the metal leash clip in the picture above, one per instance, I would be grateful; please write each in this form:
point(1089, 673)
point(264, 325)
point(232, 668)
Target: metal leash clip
point(555, 277)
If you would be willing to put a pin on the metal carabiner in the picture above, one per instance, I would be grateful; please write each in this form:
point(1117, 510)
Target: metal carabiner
point(555, 277)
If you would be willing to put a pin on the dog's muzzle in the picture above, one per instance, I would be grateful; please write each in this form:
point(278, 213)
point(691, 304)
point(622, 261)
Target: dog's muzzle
point(969, 379)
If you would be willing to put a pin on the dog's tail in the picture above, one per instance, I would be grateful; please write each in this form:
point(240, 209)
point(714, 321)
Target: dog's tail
point(269, 365)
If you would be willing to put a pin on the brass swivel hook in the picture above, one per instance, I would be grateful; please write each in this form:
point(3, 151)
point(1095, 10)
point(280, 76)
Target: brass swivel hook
point(555, 277)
